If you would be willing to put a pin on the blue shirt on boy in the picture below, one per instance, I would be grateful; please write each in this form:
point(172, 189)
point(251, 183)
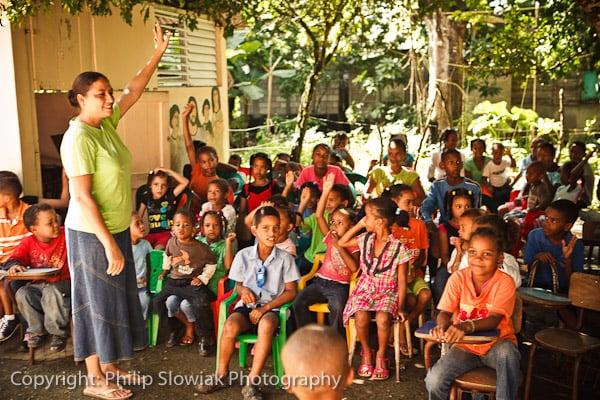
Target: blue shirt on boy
point(537, 243)
point(437, 193)
point(280, 269)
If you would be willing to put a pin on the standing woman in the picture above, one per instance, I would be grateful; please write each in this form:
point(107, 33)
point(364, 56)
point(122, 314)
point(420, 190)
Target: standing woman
point(107, 317)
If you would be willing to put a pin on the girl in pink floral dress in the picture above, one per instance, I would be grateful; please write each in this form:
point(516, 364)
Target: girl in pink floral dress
point(381, 286)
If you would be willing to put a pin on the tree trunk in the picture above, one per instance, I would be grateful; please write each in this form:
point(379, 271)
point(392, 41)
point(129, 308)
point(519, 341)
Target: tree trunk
point(304, 111)
point(445, 48)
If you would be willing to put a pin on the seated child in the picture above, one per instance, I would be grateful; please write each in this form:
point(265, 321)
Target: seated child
point(381, 286)
point(284, 241)
point(496, 175)
point(436, 198)
point(261, 187)
point(217, 201)
point(478, 298)
point(414, 238)
point(265, 279)
point(140, 249)
point(570, 189)
point(45, 304)
point(12, 232)
point(191, 265)
point(339, 196)
point(577, 153)
point(309, 197)
point(471, 221)
point(212, 228)
point(160, 201)
point(554, 243)
point(320, 168)
point(299, 362)
point(332, 281)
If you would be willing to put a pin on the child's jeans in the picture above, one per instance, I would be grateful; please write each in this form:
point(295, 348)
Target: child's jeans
point(504, 357)
point(176, 304)
point(321, 290)
point(46, 307)
point(144, 301)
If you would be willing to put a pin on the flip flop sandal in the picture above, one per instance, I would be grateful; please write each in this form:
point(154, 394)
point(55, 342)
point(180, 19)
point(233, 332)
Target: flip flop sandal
point(365, 368)
point(106, 394)
point(381, 373)
point(186, 341)
point(134, 379)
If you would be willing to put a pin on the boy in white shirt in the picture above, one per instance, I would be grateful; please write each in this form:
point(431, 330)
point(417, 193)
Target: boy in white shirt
point(496, 176)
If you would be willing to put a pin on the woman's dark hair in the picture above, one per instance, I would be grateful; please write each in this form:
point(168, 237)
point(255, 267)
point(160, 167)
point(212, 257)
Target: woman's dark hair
point(323, 146)
point(386, 208)
point(31, 214)
point(174, 109)
point(503, 229)
point(158, 174)
point(396, 141)
point(262, 212)
point(262, 156)
point(219, 216)
point(212, 91)
point(222, 184)
point(446, 134)
point(490, 234)
point(205, 103)
point(10, 184)
point(453, 194)
point(82, 84)
point(477, 140)
point(192, 99)
point(395, 191)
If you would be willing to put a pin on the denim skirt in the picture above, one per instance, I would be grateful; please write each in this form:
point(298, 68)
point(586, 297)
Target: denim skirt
point(107, 315)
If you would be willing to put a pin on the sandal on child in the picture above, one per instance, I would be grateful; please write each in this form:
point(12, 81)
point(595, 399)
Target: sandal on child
point(365, 368)
point(106, 393)
point(381, 373)
point(186, 340)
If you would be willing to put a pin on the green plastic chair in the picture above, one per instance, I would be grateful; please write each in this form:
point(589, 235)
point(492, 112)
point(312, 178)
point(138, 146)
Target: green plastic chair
point(354, 177)
point(154, 286)
point(237, 177)
point(250, 338)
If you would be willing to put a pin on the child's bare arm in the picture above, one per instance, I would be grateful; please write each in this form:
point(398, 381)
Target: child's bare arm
point(443, 321)
point(319, 214)
point(456, 332)
point(228, 258)
point(304, 199)
point(289, 183)
point(181, 180)
point(245, 294)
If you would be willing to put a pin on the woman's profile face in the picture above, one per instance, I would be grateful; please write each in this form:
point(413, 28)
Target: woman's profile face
point(175, 120)
point(98, 101)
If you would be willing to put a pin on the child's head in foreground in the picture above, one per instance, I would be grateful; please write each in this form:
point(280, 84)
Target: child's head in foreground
point(266, 226)
point(316, 354)
point(560, 217)
point(403, 195)
point(10, 187)
point(42, 221)
point(485, 252)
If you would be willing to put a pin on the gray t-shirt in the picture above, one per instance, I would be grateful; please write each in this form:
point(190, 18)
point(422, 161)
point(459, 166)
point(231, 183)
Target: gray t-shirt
point(140, 251)
point(280, 269)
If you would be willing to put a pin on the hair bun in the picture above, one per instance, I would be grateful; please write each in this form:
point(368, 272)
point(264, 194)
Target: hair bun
point(72, 97)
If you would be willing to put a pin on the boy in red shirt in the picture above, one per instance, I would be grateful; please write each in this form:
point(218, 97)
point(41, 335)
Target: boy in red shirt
point(477, 298)
point(12, 231)
point(45, 304)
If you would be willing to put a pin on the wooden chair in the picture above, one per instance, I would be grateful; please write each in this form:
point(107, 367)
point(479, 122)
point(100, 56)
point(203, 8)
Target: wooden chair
point(483, 380)
point(553, 269)
point(584, 292)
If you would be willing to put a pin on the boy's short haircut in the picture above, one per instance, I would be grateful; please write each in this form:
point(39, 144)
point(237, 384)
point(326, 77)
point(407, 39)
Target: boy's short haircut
point(450, 152)
point(235, 157)
point(490, 234)
point(30, 215)
point(207, 150)
point(537, 166)
point(184, 213)
point(10, 184)
point(323, 146)
point(396, 190)
point(567, 209)
point(497, 145)
point(397, 142)
point(344, 192)
point(473, 213)
point(548, 146)
point(263, 212)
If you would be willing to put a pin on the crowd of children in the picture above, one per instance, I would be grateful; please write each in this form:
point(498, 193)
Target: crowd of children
point(264, 240)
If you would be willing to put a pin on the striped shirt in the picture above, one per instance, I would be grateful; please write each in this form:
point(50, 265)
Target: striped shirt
point(12, 231)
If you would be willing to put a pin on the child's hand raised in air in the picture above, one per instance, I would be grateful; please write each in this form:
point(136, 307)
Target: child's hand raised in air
point(305, 196)
point(290, 178)
point(567, 249)
point(247, 296)
point(187, 110)
point(328, 182)
point(230, 238)
point(197, 282)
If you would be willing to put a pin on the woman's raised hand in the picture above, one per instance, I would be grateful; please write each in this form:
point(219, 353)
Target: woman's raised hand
point(161, 42)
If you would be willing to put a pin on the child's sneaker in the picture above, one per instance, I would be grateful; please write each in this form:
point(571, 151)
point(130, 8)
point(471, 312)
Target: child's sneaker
point(8, 327)
point(58, 343)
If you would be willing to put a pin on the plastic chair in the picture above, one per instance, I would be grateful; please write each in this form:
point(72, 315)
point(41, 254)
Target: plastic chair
point(584, 292)
point(354, 177)
point(246, 339)
point(320, 308)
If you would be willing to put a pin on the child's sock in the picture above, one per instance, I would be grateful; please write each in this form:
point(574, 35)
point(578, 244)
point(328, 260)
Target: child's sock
point(9, 317)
